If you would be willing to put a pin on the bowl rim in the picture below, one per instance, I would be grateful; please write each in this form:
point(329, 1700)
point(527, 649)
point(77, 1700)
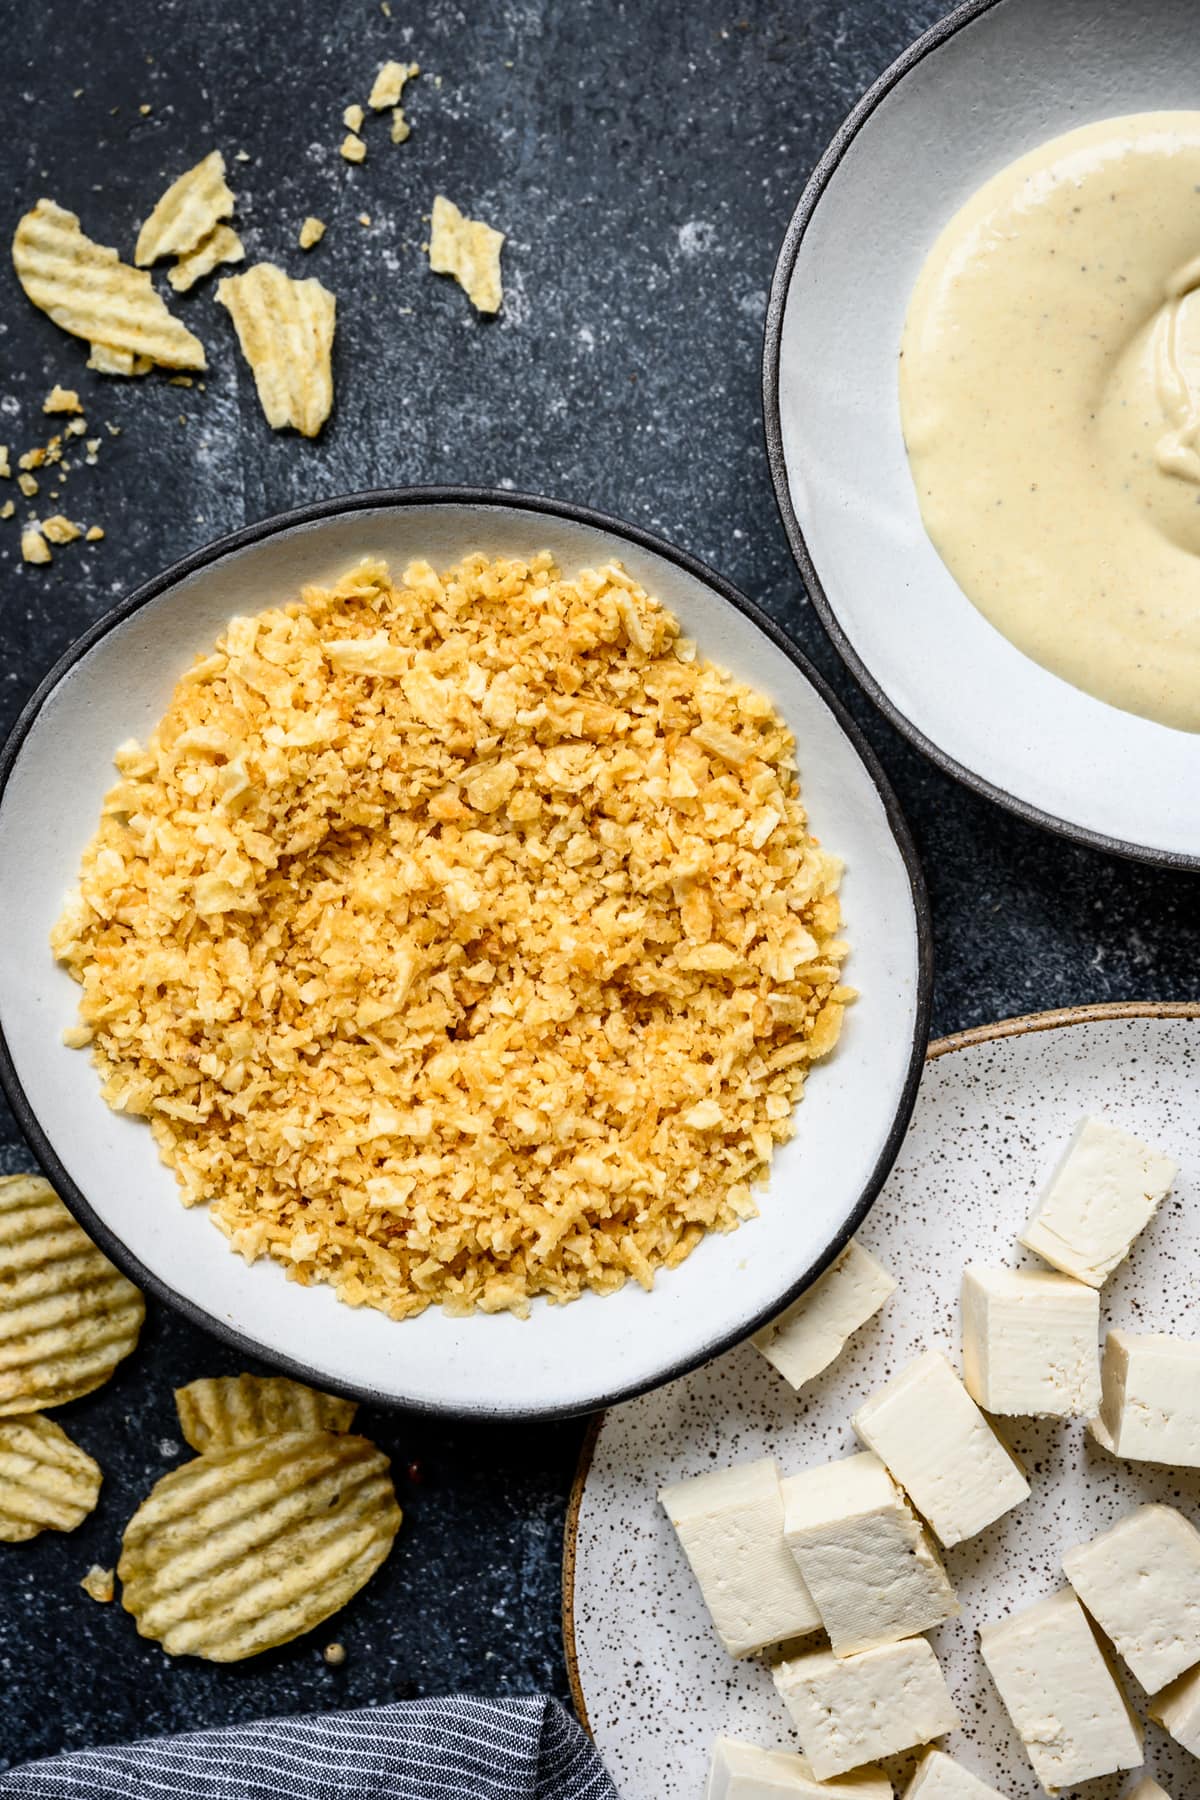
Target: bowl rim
point(242, 1340)
point(789, 251)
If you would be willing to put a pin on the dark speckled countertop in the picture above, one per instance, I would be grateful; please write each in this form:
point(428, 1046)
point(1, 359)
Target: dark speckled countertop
point(644, 161)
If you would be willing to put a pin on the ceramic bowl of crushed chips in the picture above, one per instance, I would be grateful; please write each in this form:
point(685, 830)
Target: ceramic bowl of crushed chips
point(457, 950)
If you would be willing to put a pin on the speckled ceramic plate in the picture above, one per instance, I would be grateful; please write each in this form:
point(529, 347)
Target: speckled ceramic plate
point(991, 81)
point(55, 769)
point(994, 1109)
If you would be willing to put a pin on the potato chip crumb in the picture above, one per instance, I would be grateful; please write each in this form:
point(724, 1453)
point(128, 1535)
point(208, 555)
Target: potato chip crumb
point(364, 218)
point(470, 251)
point(8, 509)
point(401, 129)
point(58, 530)
point(94, 533)
point(353, 148)
point(353, 117)
point(390, 83)
point(34, 548)
point(61, 400)
point(241, 156)
point(75, 427)
point(100, 1584)
point(385, 9)
point(5, 469)
point(335, 1655)
point(28, 485)
point(537, 966)
point(311, 232)
point(144, 110)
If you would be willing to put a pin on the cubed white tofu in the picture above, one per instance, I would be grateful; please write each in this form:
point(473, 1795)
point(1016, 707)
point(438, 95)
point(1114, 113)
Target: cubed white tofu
point(730, 1524)
point(742, 1771)
point(813, 1331)
point(1103, 1192)
point(1030, 1342)
point(1140, 1580)
point(1060, 1693)
point(937, 1444)
point(850, 1710)
point(939, 1777)
point(1150, 1399)
point(1177, 1708)
point(866, 1559)
point(1146, 1789)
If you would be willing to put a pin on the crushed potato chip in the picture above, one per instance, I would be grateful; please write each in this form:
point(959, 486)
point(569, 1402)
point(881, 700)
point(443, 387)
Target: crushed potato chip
point(106, 360)
point(353, 148)
point(7, 510)
point(5, 470)
point(222, 245)
point(353, 117)
point(34, 548)
point(285, 328)
point(68, 1316)
point(93, 534)
point(100, 1584)
point(401, 129)
point(245, 1549)
point(390, 83)
point(87, 290)
point(470, 251)
point(61, 400)
point(189, 211)
point(222, 1411)
point(311, 232)
point(47, 1483)
point(432, 909)
point(60, 530)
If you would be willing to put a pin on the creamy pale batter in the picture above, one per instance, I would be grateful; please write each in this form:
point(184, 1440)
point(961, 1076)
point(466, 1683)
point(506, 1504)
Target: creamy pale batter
point(1050, 396)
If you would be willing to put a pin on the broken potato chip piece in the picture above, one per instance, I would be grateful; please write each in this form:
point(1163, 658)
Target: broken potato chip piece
point(244, 1549)
point(87, 290)
point(285, 328)
point(222, 245)
point(311, 232)
point(188, 212)
point(470, 251)
point(226, 1410)
point(47, 1483)
point(68, 1317)
point(390, 83)
point(100, 1584)
point(108, 361)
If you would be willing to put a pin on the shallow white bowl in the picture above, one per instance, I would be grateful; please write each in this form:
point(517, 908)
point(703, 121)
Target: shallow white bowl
point(993, 80)
point(115, 684)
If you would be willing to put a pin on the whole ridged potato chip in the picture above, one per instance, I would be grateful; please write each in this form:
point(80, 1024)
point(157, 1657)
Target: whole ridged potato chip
point(47, 1483)
point(222, 1411)
point(188, 212)
point(87, 290)
point(67, 1317)
point(244, 1549)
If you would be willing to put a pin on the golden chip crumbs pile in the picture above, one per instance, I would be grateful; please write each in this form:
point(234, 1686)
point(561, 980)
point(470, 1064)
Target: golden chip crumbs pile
point(461, 937)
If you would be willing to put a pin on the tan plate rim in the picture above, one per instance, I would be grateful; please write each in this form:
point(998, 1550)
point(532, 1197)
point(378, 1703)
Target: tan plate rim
point(1054, 1020)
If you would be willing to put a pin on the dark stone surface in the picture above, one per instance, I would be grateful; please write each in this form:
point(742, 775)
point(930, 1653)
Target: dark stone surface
point(644, 161)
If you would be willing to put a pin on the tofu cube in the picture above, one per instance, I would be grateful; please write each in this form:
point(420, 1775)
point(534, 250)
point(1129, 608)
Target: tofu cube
point(742, 1771)
point(1031, 1342)
point(866, 1559)
point(1103, 1192)
point(1060, 1693)
point(1177, 1709)
point(939, 1777)
point(937, 1444)
point(850, 1710)
point(730, 1524)
point(1140, 1580)
point(814, 1330)
point(1150, 1399)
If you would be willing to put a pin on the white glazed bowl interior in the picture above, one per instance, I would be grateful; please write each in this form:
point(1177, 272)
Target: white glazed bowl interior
point(1013, 74)
point(564, 1358)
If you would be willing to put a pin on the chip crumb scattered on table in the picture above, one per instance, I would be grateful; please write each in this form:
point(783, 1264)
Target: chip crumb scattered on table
point(335, 1655)
point(311, 232)
point(61, 400)
point(353, 148)
point(353, 117)
point(390, 83)
point(8, 509)
point(60, 530)
point(468, 250)
point(93, 534)
point(28, 485)
point(100, 1584)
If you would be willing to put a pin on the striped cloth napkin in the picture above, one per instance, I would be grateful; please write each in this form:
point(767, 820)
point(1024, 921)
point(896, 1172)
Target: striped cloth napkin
point(519, 1748)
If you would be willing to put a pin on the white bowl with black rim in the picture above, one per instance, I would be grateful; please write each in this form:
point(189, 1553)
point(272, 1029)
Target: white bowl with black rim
point(115, 683)
point(993, 80)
